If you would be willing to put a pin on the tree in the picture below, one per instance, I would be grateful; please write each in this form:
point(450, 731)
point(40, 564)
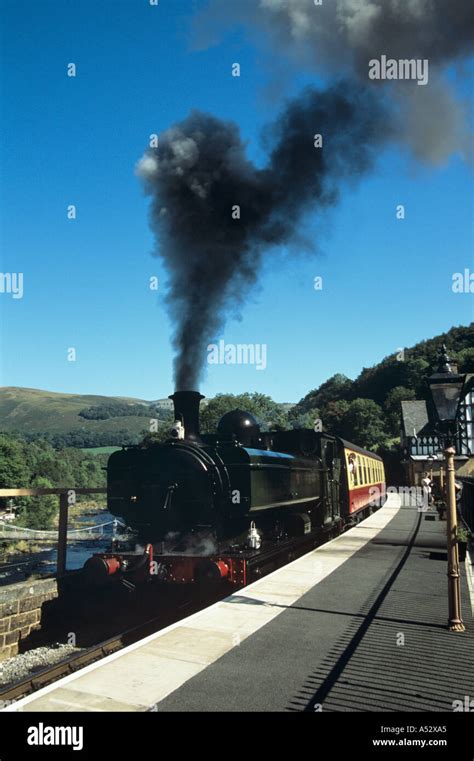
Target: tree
point(299, 419)
point(334, 415)
point(337, 387)
point(268, 413)
point(14, 470)
point(465, 359)
point(377, 382)
point(393, 407)
point(157, 437)
point(90, 473)
point(363, 424)
point(415, 376)
point(55, 466)
point(117, 409)
point(39, 512)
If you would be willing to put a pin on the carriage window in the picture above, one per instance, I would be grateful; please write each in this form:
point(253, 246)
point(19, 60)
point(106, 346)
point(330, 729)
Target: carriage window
point(352, 469)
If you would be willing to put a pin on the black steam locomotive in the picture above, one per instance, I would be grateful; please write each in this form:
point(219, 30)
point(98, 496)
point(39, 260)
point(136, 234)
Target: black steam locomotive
point(235, 504)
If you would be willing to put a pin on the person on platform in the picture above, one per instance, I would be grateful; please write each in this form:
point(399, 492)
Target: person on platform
point(426, 484)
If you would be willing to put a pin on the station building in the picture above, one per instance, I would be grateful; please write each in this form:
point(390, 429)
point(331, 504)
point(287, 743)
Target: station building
point(422, 450)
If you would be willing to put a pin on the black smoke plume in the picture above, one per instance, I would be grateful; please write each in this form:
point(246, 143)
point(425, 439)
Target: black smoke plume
point(340, 36)
point(199, 174)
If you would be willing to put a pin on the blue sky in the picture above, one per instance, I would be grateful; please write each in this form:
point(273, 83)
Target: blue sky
point(387, 283)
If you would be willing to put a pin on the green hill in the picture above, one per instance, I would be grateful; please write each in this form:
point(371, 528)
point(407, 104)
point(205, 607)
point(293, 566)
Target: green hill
point(34, 412)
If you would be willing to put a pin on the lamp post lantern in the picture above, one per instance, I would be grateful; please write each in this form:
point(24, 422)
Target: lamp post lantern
point(446, 389)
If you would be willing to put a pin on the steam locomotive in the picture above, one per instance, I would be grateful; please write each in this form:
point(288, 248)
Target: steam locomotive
point(233, 505)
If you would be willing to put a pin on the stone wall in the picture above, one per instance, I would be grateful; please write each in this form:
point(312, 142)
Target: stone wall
point(21, 610)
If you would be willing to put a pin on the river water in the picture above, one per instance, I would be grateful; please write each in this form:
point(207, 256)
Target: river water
point(19, 567)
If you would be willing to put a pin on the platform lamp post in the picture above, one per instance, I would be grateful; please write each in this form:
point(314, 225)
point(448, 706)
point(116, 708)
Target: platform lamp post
point(446, 387)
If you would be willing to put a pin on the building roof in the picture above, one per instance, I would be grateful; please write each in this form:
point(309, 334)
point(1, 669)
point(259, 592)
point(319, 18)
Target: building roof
point(415, 418)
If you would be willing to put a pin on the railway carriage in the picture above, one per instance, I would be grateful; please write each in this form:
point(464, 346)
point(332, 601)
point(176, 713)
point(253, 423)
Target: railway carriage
point(364, 477)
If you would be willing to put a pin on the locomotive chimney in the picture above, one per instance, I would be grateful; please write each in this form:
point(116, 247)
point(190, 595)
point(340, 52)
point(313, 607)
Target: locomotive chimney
point(186, 413)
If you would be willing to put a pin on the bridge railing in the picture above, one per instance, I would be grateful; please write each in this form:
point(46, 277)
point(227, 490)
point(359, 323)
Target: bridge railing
point(467, 500)
point(65, 494)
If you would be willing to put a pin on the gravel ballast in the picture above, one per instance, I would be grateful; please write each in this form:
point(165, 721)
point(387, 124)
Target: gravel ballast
point(26, 664)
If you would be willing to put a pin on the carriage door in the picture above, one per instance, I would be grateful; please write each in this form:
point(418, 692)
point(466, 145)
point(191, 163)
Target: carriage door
point(333, 465)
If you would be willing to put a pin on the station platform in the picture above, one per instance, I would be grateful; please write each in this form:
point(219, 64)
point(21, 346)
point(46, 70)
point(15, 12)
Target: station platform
point(358, 624)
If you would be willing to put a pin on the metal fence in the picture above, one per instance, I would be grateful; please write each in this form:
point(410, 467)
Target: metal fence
point(12, 531)
point(467, 500)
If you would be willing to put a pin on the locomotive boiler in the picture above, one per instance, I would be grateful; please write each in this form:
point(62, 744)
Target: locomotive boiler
point(235, 504)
